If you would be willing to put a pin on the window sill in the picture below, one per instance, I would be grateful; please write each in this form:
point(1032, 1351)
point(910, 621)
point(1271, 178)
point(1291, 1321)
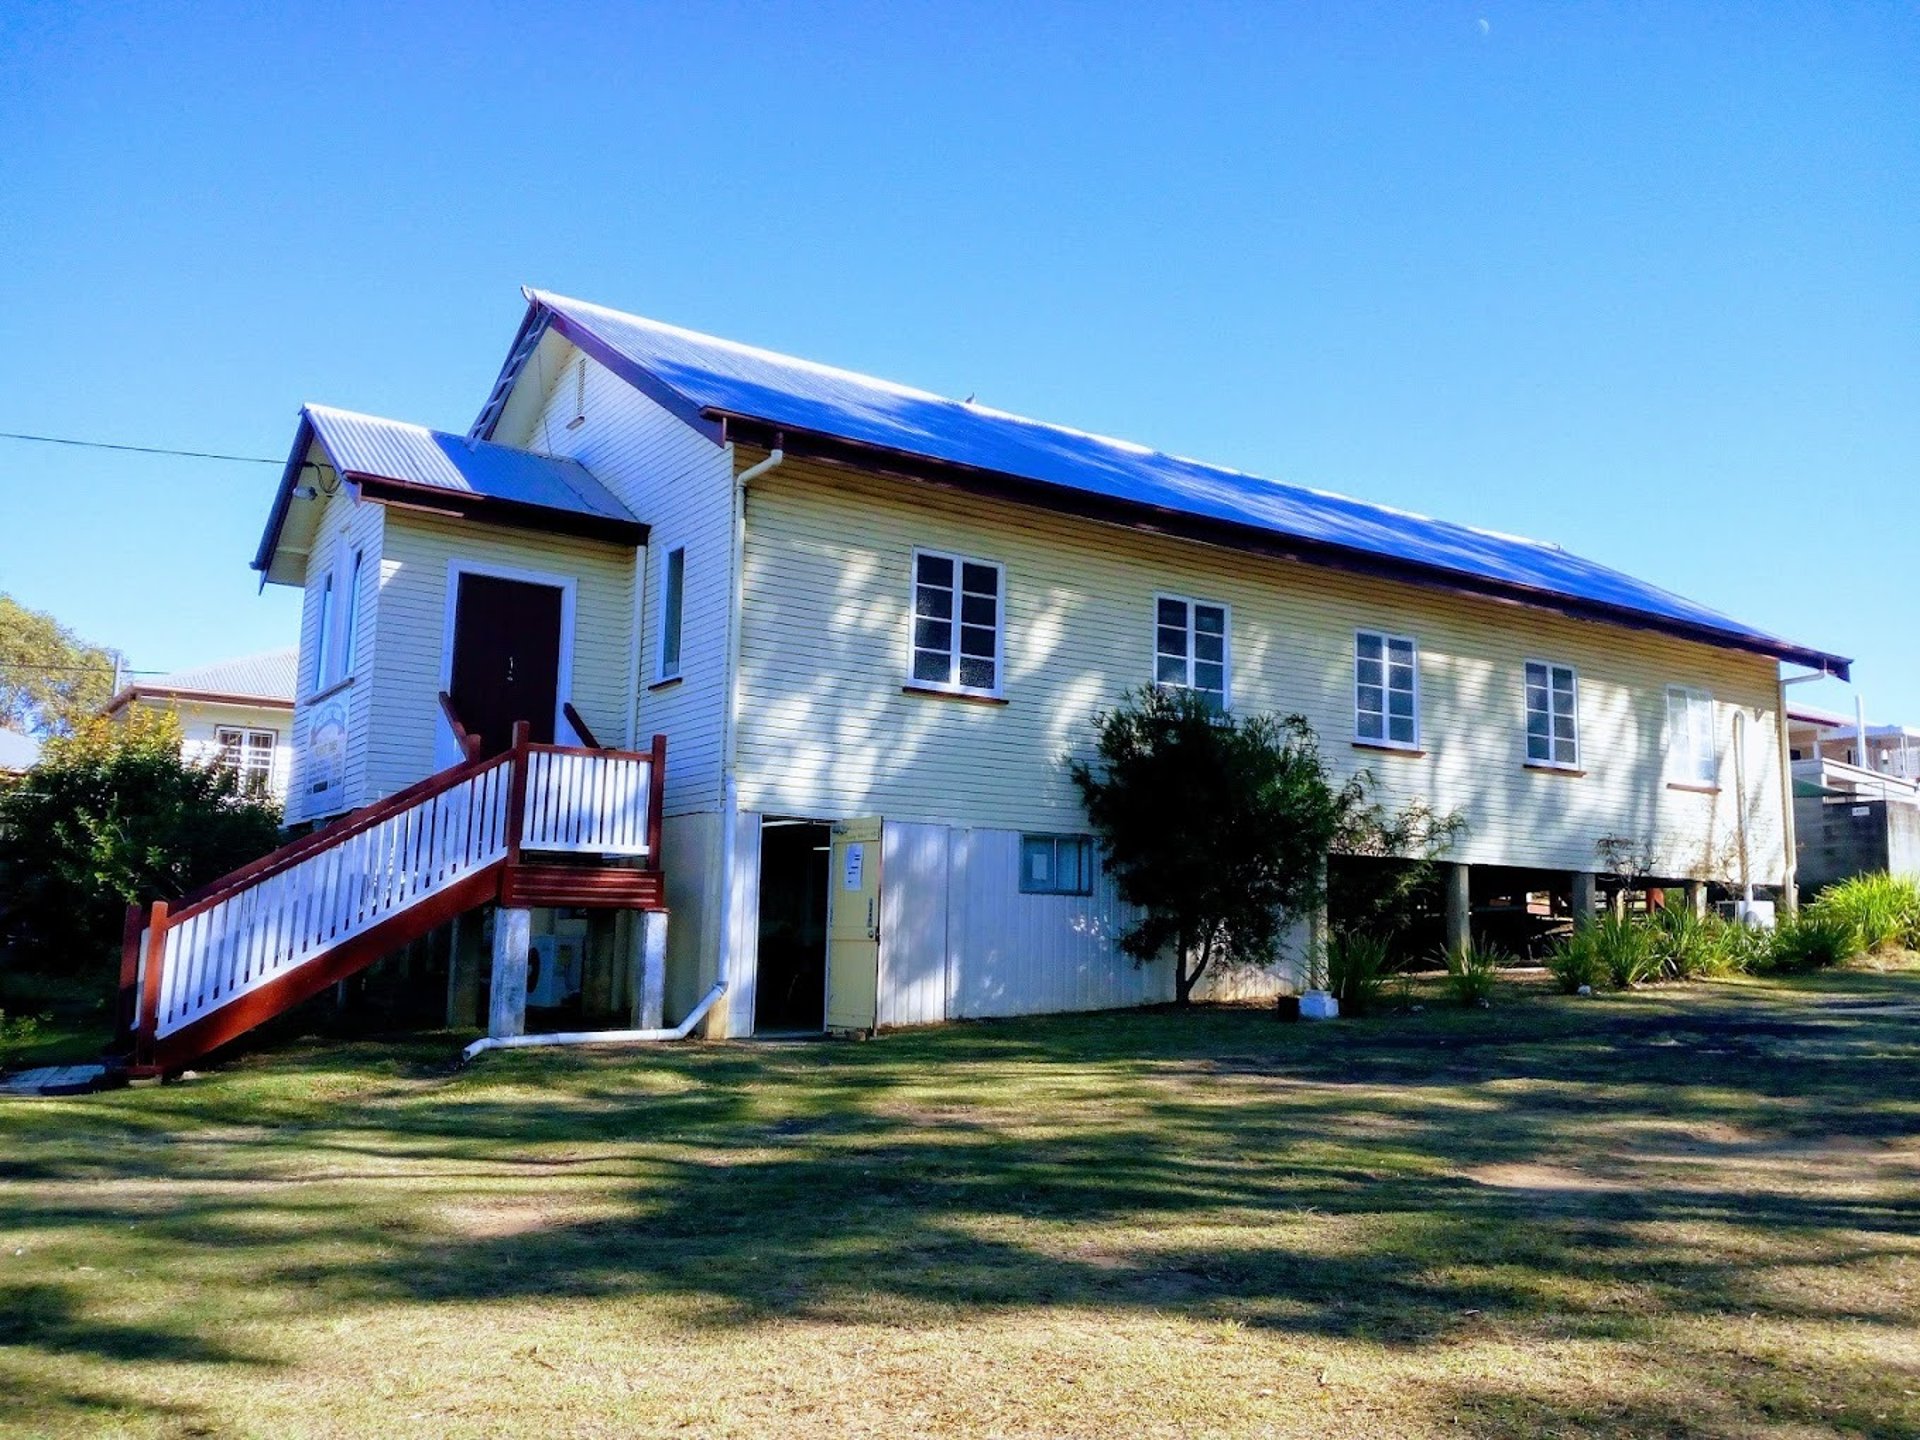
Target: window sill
point(345, 682)
point(1412, 752)
point(1693, 787)
point(1549, 769)
point(966, 696)
point(666, 684)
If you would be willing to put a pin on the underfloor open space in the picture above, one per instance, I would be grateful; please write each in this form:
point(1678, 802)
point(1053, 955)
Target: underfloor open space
point(1685, 1211)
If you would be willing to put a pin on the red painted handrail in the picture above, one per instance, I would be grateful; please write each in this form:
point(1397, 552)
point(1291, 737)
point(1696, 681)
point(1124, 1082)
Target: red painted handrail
point(332, 834)
point(468, 741)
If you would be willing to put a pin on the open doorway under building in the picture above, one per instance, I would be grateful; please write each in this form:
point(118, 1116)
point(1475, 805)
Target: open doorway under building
point(790, 992)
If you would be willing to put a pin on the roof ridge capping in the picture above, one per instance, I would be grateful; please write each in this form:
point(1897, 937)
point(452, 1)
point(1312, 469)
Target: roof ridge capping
point(707, 379)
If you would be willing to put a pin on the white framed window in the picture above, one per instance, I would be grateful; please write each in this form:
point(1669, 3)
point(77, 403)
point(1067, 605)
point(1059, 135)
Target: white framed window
point(1056, 865)
point(1553, 715)
point(958, 632)
point(323, 632)
point(1191, 647)
point(1693, 758)
point(350, 620)
point(673, 604)
point(1386, 690)
point(249, 754)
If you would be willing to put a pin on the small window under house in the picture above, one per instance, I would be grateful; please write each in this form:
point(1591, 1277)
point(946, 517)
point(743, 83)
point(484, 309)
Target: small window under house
point(1056, 865)
point(957, 607)
point(1553, 718)
point(1190, 647)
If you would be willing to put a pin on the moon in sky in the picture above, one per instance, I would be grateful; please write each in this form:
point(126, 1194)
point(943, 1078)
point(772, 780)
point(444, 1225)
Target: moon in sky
point(1484, 25)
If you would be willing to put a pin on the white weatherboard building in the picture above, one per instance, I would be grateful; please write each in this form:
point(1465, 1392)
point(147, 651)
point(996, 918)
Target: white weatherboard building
point(237, 713)
point(870, 622)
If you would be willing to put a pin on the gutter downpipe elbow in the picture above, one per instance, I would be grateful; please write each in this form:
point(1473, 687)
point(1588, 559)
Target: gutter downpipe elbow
point(729, 780)
point(597, 1037)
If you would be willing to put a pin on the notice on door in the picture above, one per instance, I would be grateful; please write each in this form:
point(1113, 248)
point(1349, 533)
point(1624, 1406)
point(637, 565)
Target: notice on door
point(856, 866)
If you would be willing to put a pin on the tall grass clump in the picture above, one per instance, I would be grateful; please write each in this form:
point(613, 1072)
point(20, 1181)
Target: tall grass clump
point(1884, 910)
point(1357, 971)
point(1687, 946)
point(1576, 962)
point(1472, 971)
point(1814, 940)
point(1627, 949)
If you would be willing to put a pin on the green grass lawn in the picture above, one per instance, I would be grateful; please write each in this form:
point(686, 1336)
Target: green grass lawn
point(1682, 1211)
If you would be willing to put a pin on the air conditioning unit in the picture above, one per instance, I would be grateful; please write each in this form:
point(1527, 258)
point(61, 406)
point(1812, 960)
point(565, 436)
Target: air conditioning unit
point(557, 969)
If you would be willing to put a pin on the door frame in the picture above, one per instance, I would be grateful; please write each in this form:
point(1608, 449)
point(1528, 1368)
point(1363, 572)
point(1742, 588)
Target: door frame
point(567, 585)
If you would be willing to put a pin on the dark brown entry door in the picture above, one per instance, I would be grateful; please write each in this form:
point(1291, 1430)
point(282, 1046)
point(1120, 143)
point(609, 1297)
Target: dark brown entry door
point(506, 658)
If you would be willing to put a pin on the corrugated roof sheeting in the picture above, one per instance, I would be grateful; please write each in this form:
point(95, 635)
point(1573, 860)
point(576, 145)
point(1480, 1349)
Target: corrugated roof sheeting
point(270, 676)
point(415, 455)
point(719, 377)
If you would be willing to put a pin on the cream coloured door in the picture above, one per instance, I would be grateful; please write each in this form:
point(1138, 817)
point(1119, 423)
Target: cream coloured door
point(853, 925)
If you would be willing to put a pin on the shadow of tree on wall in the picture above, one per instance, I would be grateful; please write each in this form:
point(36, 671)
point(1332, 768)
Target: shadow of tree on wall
point(1554, 1172)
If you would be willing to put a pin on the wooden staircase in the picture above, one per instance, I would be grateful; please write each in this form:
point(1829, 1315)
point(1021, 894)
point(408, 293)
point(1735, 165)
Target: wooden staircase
point(536, 825)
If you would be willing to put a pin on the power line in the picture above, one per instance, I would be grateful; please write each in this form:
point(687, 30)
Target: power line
point(76, 669)
point(137, 449)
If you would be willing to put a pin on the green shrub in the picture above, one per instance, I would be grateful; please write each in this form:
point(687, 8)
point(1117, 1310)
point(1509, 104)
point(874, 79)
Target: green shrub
point(1357, 971)
point(1814, 940)
point(1627, 949)
point(1884, 910)
point(1687, 946)
point(1472, 971)
point(16, 1034)
point(112, 815)
point(1747, 949)
point(1577, 961)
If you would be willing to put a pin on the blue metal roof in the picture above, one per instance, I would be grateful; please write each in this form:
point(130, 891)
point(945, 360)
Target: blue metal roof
point(702, 377)
point(392, 461)
point(368, 447)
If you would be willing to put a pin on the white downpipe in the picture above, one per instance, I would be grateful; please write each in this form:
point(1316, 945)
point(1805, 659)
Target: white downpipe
point(597, 1037)
point(729, 782)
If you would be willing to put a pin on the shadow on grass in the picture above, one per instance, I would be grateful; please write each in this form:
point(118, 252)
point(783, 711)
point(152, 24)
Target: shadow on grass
point(1557, 1170)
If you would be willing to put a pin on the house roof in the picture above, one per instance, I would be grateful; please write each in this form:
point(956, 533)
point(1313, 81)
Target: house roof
point(17, 752)
point(398, 463)
point(721, 384)
point(266, 680)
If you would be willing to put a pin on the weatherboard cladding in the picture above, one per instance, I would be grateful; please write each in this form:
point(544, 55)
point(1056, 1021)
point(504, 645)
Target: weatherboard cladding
point(701, 377)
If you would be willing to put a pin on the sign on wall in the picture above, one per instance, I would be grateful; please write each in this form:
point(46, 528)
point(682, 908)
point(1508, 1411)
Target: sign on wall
point(327, 749)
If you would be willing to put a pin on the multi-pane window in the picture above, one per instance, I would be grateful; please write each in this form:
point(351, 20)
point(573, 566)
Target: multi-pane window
point(673, 594)
point(1553, 715)
point(1056, 865)
point(1386, 691)
point(1190, 647)
point(1692, 758)
point(249, 754)
point(956, 623)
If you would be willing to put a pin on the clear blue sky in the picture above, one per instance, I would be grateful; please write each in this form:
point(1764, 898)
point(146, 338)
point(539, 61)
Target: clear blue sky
point(1644, 280)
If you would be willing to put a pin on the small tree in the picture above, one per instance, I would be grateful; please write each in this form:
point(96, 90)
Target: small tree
point(50, 679)
point(113, 815)
point(1215, 826)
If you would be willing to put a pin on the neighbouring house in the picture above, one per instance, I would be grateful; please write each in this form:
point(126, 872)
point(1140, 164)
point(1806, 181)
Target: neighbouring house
point(868, 623)
point(19, 752)
point(1853, 816)
point(237, 713)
